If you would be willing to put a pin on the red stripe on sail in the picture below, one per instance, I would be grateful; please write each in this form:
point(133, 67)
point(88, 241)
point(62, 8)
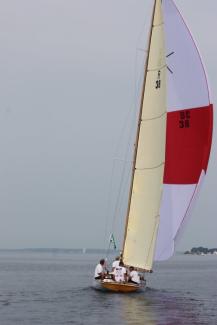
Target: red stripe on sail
point(188, 144)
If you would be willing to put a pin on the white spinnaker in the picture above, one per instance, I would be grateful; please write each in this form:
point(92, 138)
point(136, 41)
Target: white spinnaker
point(187, 84)
point(143, 219)
point(187, 88)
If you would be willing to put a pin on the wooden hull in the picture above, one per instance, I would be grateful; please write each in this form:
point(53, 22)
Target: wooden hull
point(120, 287)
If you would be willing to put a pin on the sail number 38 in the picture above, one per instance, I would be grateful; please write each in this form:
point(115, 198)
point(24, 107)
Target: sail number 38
point(184, 119)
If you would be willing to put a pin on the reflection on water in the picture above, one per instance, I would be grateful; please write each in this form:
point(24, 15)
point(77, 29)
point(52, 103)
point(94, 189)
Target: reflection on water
point(153, 305)
point(137, 309)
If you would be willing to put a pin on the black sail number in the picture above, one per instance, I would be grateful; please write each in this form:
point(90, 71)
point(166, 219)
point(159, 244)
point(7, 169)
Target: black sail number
point(158, 81)
point(184, 119)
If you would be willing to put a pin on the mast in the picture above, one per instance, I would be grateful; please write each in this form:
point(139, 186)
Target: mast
point(139, 124)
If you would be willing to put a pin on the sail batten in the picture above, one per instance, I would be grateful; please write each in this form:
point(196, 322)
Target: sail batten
point(153, 167)
point(153, 118)
point(158, 68)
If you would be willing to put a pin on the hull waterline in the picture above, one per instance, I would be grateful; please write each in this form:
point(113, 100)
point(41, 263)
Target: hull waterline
point(121, 287)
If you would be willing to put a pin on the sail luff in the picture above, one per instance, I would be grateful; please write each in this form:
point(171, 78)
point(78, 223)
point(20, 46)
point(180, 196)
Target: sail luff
point(139, 124)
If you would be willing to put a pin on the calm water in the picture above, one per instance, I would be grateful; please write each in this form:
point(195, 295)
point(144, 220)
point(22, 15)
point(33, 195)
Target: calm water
point(46, 288)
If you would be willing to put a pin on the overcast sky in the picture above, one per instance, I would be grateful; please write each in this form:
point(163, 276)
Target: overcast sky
point(69, 72)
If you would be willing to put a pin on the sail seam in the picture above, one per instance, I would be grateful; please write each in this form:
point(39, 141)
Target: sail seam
point(156, 69)
point(158, 25)
point(154, 167)
point(154, 118)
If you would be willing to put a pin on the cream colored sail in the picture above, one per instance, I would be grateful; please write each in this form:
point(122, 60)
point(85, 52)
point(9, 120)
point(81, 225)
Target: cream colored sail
point(148, 169)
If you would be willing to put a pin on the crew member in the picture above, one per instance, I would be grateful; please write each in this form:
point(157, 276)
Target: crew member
point(134, 276)
point(120, 273)
point(100, 270)
point(115, 263)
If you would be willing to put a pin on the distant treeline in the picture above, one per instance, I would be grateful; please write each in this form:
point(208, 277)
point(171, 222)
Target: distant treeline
point(202, 250)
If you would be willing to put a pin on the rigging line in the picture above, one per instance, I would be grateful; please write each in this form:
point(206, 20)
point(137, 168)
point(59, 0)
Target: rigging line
point(134, 116)
point(111, 185)
point(146, 23)
point(123, 160)
point(123, 194)
point(126, 152)
point(127, 118)
point(108, 204)
point(141, 49)
point(119, 193)
point(138, 82)
point(108, 250)
point(154, 167)
point(142, 35)
point(123, 174)
point(154, 118)
point(129, 112)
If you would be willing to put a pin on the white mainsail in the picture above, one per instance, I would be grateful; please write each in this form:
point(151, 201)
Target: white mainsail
point(147, 183)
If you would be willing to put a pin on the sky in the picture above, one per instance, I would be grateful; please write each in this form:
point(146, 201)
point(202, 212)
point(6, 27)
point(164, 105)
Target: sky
point(69, 76)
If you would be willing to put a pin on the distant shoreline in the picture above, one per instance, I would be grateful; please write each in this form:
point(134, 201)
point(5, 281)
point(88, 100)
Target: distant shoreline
point(201, 251)
point(194, 251)
point(60, 250)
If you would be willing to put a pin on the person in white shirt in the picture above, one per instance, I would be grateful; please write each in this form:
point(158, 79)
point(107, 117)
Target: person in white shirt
point(134, 276)
point(115, 263)
point(99, 270)
point(120, 273)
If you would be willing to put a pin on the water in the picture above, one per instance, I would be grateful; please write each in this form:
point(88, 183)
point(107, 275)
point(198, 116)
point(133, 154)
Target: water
point(48, 288)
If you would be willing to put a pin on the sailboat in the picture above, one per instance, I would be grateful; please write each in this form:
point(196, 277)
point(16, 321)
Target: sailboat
point(172, 145)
